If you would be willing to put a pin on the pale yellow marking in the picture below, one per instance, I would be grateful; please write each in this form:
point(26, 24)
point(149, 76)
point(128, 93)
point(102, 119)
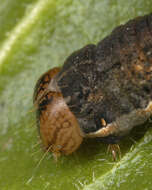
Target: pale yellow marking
point(103, 122)
point(103, 132)
point(149, 107)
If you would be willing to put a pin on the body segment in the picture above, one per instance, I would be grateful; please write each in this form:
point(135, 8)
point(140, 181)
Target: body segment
point(115, 77)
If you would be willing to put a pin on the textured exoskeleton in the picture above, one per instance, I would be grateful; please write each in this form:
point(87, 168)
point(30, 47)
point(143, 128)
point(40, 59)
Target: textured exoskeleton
point(108, 86)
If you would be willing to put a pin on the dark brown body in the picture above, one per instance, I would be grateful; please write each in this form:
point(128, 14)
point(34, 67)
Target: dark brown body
point(112, 78)
point(108, 86)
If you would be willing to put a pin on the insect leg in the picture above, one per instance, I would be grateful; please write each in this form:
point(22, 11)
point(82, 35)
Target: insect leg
point(114, 149)
point(124, 124)
point(103, 132)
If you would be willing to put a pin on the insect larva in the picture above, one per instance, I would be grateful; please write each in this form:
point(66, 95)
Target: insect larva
point(102, 91)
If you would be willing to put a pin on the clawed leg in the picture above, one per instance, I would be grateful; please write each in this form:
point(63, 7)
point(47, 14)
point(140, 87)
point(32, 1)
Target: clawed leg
point(114, 149)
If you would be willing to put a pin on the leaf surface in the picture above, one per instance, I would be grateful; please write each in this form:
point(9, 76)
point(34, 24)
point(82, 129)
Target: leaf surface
point(36, 35)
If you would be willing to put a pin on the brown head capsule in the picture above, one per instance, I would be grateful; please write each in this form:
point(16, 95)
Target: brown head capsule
point(102, 91)
point(59, 129)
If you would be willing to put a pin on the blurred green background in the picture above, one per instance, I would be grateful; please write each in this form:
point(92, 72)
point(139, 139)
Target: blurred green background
point(36, 35)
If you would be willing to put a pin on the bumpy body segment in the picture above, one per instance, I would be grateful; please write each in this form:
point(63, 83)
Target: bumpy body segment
point(110, 81)
point(112, 78)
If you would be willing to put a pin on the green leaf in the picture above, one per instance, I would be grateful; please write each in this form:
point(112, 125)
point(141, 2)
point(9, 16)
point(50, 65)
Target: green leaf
point(36, 35)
